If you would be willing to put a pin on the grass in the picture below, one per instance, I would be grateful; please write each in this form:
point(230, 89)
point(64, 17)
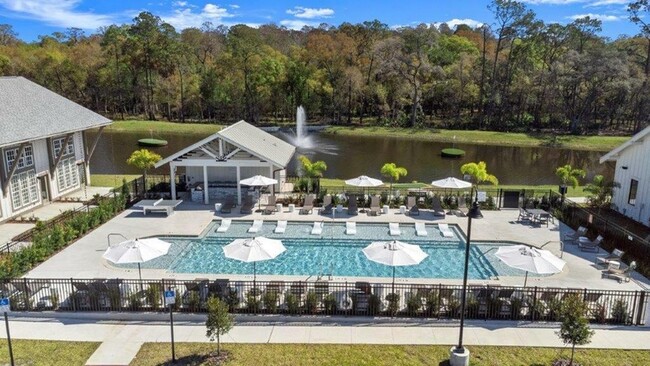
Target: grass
point(163, 127)
point(111, 180)
point(313, 354)
point(596, 143)
point(38, 352)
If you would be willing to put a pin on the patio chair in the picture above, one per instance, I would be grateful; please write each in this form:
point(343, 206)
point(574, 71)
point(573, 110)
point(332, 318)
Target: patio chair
point(308, 205)
point(228, 204)
point(317, 229)
point(573, 237)
point(420, 229)
point(621, 273)
point(247, 206)
point(445, 231)
point(327, 205)
point(352, 205)
point(219, 288)
point(615, 256)
point(257, 225)
point(524, 216)
point(281, 227)
point(462, 207)
point(412, 206)
point(374, 206)
point(224, 226)
point(544, 219)
point(587, 245)
point(350, 228)
point(394, 230)
point(436, 206)
point(363, 287)
point(270, 206)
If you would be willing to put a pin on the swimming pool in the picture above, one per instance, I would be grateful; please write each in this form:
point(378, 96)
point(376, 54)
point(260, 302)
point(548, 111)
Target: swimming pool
point(333, 253)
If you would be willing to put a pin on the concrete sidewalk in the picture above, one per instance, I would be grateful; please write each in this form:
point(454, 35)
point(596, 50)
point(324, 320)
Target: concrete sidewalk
point(121, 340)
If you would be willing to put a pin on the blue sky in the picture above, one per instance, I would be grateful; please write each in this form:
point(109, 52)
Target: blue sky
point(31, 18)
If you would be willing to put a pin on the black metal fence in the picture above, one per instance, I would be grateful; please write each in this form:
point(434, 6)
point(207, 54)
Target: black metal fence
point(324, 298)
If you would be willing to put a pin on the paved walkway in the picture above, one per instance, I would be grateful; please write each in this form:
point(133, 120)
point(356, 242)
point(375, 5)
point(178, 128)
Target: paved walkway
point(121, 340)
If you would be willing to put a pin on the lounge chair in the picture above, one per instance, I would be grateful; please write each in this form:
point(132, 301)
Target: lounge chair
point(351, 228)
point(224, 226)
point(247, 206)
point(308, 206)
point(524, 216)
point(352, 205)
point(412, 206)
point(436, 206)
point(257, 225)
point(327, 205)
point(573, 237)
point(445, 231)
point(587, 245)
point(228, 204)
point(620, 273)
point(462, 207)
point(374, 206)
point(281, 227)
point(615, 256)
point(317, 229)
point(420, 229)
point(270, 206)
point(394, 229)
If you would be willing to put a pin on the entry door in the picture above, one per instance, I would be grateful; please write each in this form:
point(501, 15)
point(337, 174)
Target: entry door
point(511, 199)
point(45, 193)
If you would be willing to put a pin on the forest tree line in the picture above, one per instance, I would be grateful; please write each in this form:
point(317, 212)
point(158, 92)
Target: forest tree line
point(516, 74)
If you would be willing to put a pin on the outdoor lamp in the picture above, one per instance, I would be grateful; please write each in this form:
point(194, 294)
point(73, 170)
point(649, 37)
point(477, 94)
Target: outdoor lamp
point(459, 355)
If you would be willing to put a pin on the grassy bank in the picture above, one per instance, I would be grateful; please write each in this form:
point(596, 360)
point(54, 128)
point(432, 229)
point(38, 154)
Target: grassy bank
point(37, 352)
point(313, 354)
point(596, 143)
point(163, 127)
point(110, 180)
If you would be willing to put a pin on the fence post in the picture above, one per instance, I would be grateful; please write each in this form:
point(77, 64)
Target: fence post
point(641, 307)
point(532, 311)
point(74, 295)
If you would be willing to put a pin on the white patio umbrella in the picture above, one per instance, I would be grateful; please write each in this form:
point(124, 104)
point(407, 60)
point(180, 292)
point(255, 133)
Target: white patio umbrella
point(530, 259)
point(254, 250)
point(136, 251)
point(451, 182)
point(364, 181)
point(258, 181)
point(394, 253)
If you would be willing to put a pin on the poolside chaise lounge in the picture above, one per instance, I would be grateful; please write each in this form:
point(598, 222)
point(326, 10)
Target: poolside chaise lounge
point(351, 228)
point(257, 225)
point(308, 205)
point(281, 227)
point(436, 206)
point(615, 256)
point(352, 205)
point(228, 204)
point(621, 273)
point(524, 216)
point(445, 230)
point(247, 206)
point(462, 207)
point(327, 205)
point(374, 206)
point(224, 226)
point(317, 229)
point(270, 206)
point(393, 227)
point(412, 206)
point(420, 229)
point(573, 237)
point(586, 245)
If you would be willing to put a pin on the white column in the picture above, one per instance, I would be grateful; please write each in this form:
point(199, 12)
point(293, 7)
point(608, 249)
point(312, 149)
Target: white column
point(172, 179)
point(271, 176)
point(206, 196)
point(238, 186)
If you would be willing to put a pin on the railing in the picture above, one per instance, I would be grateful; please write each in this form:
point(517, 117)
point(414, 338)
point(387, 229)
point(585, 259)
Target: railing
point(325, 298)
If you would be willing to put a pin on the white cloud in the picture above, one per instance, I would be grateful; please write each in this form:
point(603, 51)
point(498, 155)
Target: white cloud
point(553, 2)
point(453, 23)
point(187, 18)
point(310, 13)
point(60, 13)
point(297, 24)
point(179, 4)
point(234, 6)
point(601, 17)
point(607, 3)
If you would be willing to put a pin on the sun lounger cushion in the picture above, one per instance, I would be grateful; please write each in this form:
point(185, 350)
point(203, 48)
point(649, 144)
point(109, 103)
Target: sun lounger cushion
point(445, 231)
point(225, 225)
point(257, 225)
point(351, 228)
point(317, 229)
point(420, 229)
point(394, 228)
point(281, 227)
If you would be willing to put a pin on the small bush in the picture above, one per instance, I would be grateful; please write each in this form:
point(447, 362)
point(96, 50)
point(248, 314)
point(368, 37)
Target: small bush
point(311, 302)
point(292, 302)
point(329, 302)
point(393, 304)
point(270, 300)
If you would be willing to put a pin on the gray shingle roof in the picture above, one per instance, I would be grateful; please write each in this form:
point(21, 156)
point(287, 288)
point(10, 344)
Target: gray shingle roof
point(29, 111)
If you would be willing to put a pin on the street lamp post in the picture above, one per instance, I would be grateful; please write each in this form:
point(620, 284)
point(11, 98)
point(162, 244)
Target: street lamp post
point(459, 355)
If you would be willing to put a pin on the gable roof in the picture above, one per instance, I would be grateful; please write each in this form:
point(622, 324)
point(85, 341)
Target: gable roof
point(613, 155)
point(29, 111)
point(248, 138)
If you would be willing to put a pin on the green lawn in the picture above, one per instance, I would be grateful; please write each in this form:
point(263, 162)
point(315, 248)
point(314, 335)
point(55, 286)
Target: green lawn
point(110, 180)
point(163, 127)
point(597, 143)
point(377, 355)
point(37, 352)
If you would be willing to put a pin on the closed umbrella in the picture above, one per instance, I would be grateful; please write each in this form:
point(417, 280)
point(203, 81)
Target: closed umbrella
point(530, 259)
point(364, 181)
point(394, 253)
point(254, 250)
point(258, 181)
point(136, 251)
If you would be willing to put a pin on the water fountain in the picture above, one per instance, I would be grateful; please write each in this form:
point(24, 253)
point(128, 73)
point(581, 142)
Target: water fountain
point(301, 137)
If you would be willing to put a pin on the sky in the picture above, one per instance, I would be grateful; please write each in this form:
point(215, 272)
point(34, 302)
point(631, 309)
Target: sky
point(31, 18)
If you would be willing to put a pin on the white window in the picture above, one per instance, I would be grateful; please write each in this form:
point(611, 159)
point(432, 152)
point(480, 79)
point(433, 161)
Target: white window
point(67, 174)
point(26, 160)
point(24, 189)
point(58, 143)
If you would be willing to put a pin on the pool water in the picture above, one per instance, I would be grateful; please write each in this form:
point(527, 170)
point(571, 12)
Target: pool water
point(333, 253)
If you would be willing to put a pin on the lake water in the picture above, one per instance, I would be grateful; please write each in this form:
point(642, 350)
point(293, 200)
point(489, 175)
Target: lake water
point(349, 156)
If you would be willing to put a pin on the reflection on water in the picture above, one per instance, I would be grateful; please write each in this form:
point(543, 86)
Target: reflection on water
point(348, 157)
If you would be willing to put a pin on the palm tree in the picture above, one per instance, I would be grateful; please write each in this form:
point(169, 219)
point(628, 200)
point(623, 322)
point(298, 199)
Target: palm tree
point(569, 176)
point(478, 172)
point(600, 191)
point(311, 169)
point(394, 172)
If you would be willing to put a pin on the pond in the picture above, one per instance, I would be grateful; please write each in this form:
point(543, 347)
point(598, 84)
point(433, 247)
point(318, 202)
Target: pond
point(349, 156)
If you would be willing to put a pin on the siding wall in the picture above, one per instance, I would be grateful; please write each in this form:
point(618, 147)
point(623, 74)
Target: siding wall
point(637, 160)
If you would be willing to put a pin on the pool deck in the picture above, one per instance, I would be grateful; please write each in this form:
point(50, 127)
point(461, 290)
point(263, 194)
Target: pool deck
point(83, 258)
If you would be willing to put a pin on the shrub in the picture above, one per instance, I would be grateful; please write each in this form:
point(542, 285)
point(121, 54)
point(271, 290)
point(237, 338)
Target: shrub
point(374, 303)
point(270, 300)
point(413, 304)
point(311, 302)
point(432, 304)
point(292, 302)
point(393, 304)
point(329, 302)
point(619, 312)
point(153, 295)
point(253, 302)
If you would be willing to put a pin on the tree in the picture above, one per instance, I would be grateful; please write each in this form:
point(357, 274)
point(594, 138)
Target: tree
point(569, 176)
point(600, 191)
point(143, 159)
point(219, 321)
point(478, 172)
point(394, 172)
point(311, 169)
point(574, 329)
